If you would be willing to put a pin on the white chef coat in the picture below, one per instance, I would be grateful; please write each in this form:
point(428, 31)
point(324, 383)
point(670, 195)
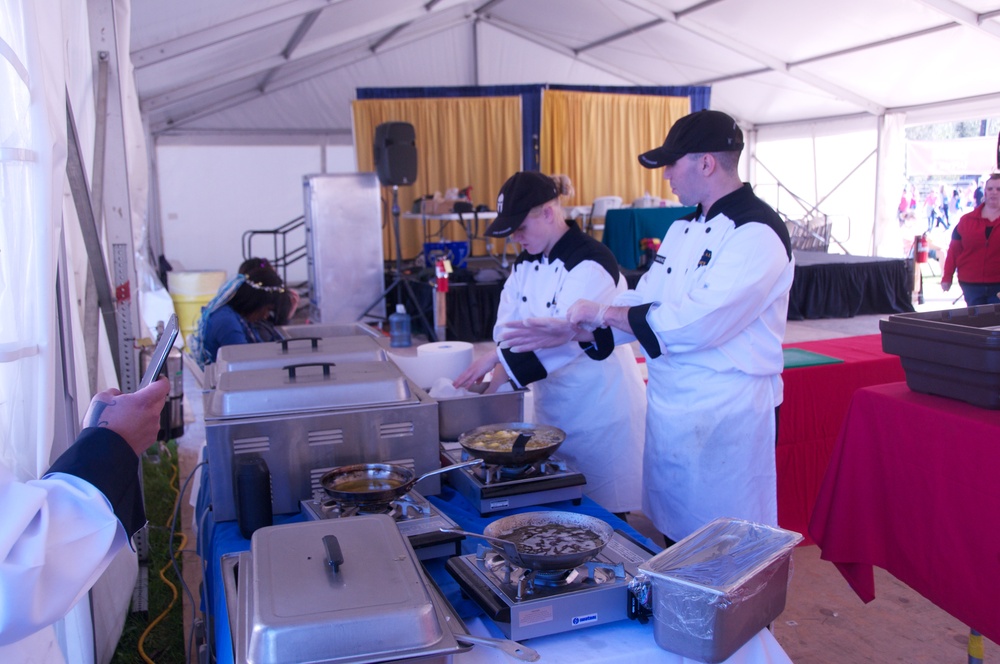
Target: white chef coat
point(599, 404)
point(710, 315)
point(57, 536)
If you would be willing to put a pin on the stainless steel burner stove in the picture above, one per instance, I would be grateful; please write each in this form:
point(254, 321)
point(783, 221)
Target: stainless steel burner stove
point(525, 603)
point(494, 488)
point(415, 516)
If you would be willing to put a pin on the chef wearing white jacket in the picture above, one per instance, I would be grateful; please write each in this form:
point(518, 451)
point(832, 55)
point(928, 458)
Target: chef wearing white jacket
point(59, 533)
point(599, 404)
point(710, 315)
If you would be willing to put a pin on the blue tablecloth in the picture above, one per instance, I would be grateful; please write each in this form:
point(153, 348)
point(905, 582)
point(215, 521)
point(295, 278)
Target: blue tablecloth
point(624, 228)
point(218, 539)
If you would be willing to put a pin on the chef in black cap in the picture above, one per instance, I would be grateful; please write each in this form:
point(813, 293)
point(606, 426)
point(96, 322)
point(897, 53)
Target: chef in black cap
point(710, 316)
point(600, 405)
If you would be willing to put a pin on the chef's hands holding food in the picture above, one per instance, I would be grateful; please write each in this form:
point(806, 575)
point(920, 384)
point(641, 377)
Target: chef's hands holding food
point(532, 334)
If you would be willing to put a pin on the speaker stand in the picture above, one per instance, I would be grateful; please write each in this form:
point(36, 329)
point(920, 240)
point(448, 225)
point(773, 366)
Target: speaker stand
point(400, 282)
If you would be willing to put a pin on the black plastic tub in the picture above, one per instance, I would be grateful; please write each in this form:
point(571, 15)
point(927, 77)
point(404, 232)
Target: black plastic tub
point(953, 353)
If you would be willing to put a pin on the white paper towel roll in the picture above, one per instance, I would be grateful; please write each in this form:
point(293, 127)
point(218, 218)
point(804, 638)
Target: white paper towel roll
point(440, 359)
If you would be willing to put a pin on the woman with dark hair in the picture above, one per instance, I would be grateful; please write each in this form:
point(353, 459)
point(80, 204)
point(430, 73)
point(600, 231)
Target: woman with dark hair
point(231, 316)
point(288, 303)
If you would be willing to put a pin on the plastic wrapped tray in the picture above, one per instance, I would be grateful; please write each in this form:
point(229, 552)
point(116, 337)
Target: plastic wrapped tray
point(716, 588)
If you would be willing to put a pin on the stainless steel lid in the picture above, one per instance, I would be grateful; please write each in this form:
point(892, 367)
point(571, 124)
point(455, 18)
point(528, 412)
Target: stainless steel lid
point(308, 387)
point(372, 606)
point(269, 355)
point(328, 330)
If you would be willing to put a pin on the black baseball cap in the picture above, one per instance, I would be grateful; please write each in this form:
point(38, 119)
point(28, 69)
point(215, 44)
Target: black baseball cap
point(702, 131)
point(521, 193)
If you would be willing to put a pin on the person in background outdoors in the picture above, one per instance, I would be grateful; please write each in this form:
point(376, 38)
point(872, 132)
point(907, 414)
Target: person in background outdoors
point(59, 533)
point(284, 310)
point(230, 317)
point(710, 315)
point(931, 208)
point(944, 205)
point(977, 195)
point(974, 253)
point(599, 405)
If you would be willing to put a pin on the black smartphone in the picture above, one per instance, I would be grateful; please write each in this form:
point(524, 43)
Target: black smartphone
point(160, 353)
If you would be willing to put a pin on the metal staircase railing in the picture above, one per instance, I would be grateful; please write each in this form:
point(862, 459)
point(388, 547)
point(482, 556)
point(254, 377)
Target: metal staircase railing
point(288, 245)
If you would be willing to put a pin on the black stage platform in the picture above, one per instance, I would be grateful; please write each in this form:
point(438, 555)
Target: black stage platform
point(838, 286)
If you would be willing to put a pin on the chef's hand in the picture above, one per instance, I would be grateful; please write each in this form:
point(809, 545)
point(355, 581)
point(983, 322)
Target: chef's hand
point(945, 286)
point(475, 371)
point(532, 334)
point(135, 417)
point(587, 314)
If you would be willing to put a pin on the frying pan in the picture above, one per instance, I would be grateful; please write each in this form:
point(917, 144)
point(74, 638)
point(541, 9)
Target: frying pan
point(376, 483)
point(518, 455)
point(553, 521)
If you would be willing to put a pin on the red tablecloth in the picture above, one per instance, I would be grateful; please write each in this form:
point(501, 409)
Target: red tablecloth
point(816, 401)
point(912, 488)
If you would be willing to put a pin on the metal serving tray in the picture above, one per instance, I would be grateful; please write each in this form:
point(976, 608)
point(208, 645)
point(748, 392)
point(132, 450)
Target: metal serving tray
point(295, 606)
point(301, 350)
point(361, 413)
point(461, 414)
point(325, 330)
point(307, 387)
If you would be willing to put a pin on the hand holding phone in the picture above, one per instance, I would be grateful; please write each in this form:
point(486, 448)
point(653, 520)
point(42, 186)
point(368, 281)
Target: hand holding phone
point(160, 353)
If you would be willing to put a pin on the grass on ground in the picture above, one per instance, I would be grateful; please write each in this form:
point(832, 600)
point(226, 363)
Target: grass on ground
point(163, 642)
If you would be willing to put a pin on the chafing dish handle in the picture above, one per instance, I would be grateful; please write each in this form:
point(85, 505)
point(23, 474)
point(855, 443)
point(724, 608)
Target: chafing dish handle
point(284, 342)
point(292, 367)
point(334, 557)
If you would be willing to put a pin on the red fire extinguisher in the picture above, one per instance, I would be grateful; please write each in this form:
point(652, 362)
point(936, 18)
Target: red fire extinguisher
point(923, 249)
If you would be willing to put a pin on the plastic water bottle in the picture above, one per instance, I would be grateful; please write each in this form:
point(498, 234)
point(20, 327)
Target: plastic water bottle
point(399, 328)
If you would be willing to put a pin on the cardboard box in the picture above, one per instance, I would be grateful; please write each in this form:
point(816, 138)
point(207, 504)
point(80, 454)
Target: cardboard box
point(953, 353)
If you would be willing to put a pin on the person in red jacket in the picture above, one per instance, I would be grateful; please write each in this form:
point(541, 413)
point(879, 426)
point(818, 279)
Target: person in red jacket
point(974, 252)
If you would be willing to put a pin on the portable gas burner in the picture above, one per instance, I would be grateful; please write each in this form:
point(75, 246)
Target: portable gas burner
point(493, 488)
point(415, 516)
point(528, 603)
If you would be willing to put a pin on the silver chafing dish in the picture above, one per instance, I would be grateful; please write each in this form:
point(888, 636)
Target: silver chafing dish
point(305, 420)
point(327, 330)
point(343, 590)
point(298, 350)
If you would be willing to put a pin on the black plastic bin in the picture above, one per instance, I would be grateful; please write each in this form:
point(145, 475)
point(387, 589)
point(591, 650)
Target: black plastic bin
point(953, 353)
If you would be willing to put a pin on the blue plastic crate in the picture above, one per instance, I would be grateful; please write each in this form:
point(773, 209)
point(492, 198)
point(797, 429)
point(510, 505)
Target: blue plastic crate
point(456, 252)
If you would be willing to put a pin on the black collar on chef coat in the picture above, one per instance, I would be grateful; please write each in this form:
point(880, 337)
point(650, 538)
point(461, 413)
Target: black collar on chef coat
point(573, 248)
point(742, 206)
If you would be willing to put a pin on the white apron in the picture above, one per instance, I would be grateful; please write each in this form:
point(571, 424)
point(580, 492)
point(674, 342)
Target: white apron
point(601, 405)
point(709, 449)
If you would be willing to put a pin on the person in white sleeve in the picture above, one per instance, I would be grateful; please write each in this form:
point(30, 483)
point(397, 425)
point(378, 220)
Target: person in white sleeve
point(59, 533)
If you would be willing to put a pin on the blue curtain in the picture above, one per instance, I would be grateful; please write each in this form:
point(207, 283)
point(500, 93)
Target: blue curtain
point(531, 102)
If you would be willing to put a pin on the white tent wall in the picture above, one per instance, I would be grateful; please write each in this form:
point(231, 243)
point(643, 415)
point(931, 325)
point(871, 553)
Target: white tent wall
point(48, 58)
point(211, 194)
point(835, 173)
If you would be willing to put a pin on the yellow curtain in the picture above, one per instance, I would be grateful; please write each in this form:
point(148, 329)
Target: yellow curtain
point(595, 139)
point(472, 141)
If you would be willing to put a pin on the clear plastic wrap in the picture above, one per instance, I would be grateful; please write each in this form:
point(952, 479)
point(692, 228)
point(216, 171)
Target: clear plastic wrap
point(712, 591)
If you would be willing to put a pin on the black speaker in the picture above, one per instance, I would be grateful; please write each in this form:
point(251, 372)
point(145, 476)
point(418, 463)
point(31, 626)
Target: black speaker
point(395, 153)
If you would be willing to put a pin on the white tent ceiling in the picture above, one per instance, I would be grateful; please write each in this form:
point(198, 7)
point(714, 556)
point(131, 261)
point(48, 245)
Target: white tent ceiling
point(261, 67)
